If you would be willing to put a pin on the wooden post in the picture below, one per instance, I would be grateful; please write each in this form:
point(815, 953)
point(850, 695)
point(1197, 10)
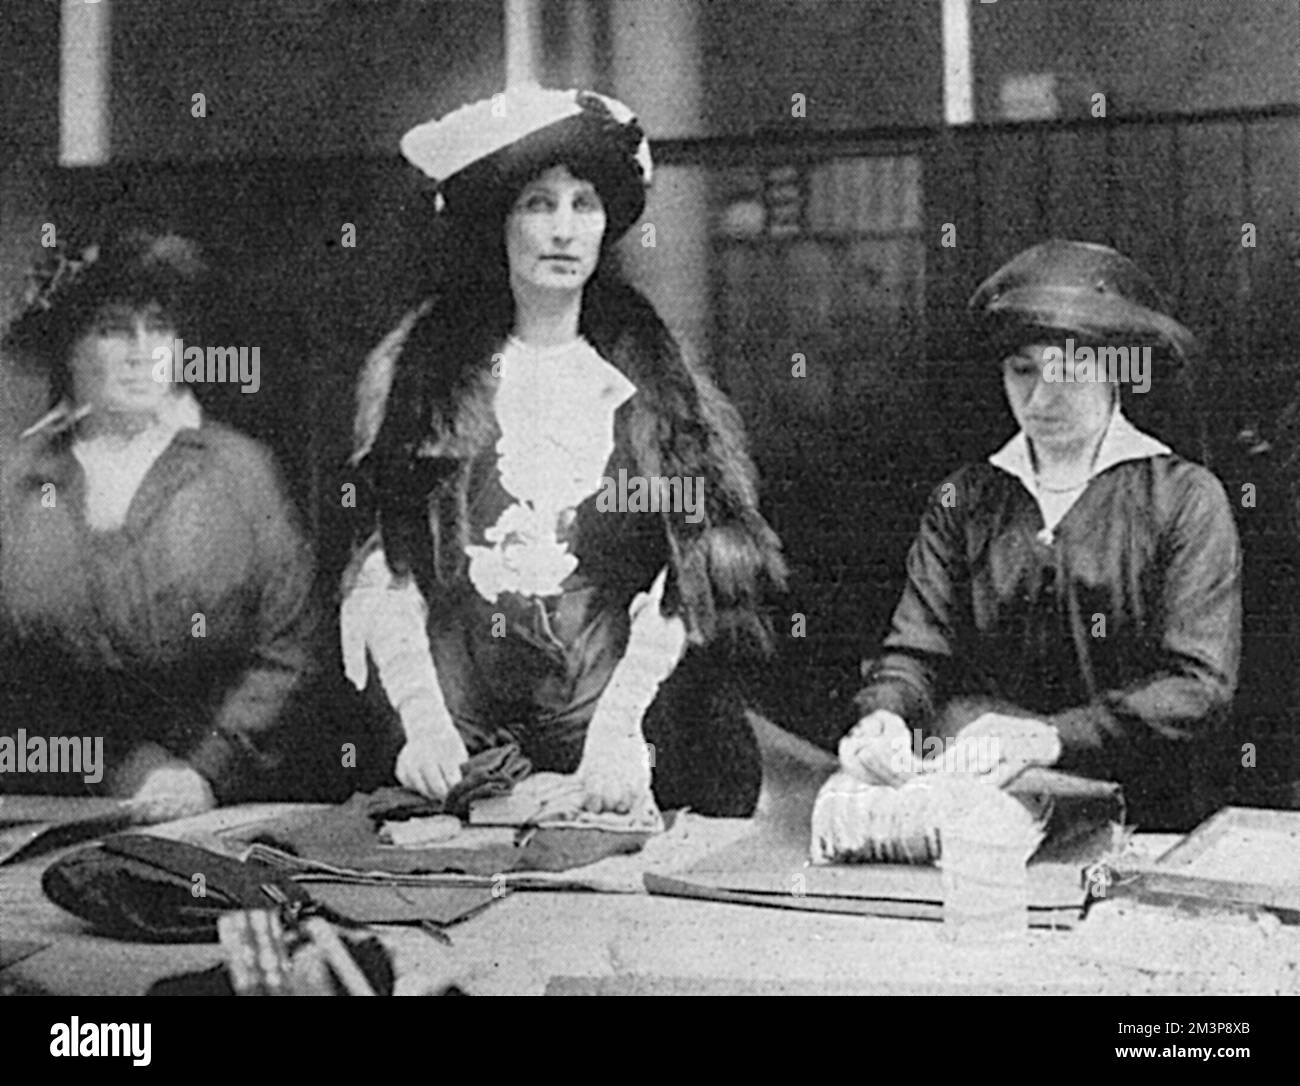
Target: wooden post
point(85, 60)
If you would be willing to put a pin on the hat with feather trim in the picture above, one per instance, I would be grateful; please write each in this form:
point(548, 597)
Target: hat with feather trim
point(484, 152)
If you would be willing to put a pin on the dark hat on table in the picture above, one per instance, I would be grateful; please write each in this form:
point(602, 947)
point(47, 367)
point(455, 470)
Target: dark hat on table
point(481, 154)
point(1080, 287)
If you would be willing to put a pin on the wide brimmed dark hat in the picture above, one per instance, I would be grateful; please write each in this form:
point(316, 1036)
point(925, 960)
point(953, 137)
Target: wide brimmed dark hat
point(134, 266)
point(481, 153)
point(1081, 287)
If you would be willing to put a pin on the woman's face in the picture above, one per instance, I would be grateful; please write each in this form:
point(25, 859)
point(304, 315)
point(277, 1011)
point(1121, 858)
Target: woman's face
point(113, 361)
point(553, 233)
point(1053, 413)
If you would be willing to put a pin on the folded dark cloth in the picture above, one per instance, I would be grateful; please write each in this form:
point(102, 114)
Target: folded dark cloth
point(348, 835)
point(492, 772)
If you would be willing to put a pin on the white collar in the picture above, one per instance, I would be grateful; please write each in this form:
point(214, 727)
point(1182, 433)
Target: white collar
point(583, 375)
point(181, 413)
point(1122, 442)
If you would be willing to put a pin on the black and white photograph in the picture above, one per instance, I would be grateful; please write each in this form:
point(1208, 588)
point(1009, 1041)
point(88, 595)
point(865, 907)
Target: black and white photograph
point(653, 498)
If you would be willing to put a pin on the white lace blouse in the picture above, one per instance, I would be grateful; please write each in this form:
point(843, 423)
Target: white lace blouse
point(555, 407)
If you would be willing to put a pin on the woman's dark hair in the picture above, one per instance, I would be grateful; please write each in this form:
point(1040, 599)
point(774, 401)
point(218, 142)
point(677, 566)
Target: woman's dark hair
point(469, 280)
point(136, 269)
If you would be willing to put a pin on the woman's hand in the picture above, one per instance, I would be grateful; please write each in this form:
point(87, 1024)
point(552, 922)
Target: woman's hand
point(432, 759)
point(172, 791)
point(879, 750)
point(615, 767)
point(1011, 741)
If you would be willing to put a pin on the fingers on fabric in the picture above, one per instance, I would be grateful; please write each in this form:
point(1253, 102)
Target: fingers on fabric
point(1018, 740)
point(879, 750)
point(557, 795)
point(432, 766)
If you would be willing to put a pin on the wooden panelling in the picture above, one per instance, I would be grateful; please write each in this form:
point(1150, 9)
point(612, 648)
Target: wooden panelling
point(1274, 207)
point(1216, 283)
point(1079, 183)
point(1145, 212)
point(1013, 188)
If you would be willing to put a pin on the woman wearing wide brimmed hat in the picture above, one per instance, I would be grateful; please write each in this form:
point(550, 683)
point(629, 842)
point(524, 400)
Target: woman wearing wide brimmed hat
point(509, 594)
point(154, 580)
point(1085, 579)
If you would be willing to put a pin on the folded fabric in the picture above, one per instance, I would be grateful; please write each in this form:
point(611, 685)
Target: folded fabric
point(555, 800)
point(492, 772)
point(420, 832)
point(857, 822)
point(368, 904)
point(348, 837)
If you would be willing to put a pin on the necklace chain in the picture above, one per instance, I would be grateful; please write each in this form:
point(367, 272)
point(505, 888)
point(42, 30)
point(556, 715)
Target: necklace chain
point(1092, 463)
point(1059, 489)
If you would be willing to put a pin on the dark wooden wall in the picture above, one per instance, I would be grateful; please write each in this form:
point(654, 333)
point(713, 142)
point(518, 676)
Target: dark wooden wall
point(893, 416)
point(1173, 193)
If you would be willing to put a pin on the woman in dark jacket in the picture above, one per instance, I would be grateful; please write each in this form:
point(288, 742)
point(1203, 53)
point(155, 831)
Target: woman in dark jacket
point(565, 500)
point(154, 582)
point(1083, 584)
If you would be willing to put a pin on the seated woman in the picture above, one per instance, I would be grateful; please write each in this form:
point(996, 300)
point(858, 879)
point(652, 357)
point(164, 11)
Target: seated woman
point(565, 501)
point(154, 584)
point(1083, 585)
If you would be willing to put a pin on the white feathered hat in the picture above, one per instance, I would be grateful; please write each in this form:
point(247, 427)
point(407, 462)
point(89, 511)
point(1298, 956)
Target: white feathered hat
point(487, 150)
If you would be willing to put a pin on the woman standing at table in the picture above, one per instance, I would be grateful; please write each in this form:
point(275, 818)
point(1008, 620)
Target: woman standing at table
point(516, 590)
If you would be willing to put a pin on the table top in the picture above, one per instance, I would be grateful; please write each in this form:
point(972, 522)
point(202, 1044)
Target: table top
point(606, 942)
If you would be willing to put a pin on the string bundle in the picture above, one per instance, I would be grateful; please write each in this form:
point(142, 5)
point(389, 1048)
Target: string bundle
point(858, 822)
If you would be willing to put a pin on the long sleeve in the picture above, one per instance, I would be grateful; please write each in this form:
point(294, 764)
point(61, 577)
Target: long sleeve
point(285, 621)
point(1196, 650)
point(922, 636)
point(654, 649)
point(385, 617)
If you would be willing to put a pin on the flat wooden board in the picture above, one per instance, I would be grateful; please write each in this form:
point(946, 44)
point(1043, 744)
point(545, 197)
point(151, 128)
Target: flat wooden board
point(1242, 857)
point(1241, 844)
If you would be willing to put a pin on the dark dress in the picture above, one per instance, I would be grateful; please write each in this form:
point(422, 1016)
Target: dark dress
point(427, 405)
point(532, 670)
point(1123, 633)
point(190, 626)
